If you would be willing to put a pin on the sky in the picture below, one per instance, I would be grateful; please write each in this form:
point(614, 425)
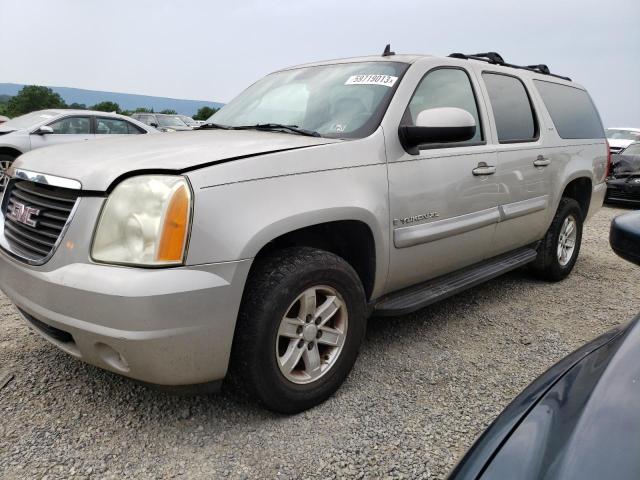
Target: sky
point(212, 50)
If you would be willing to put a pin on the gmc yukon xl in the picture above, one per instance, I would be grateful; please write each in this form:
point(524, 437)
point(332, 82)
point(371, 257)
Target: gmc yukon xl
point(259, 244)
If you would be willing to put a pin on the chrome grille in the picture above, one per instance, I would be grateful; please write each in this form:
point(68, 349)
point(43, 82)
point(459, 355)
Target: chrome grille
point(34, 235)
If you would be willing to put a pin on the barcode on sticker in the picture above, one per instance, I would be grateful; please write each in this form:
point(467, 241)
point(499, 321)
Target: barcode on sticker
point(372, 79)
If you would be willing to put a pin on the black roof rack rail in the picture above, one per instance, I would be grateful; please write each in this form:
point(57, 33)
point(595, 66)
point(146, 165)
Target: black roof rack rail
point(496, 59)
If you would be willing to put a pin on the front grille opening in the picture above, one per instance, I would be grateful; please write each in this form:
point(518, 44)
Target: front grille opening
point(53, 332)
point(35, 217)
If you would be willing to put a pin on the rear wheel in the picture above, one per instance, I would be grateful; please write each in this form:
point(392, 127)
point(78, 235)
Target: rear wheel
point(558, 251)
point(5, 163)
point(299, 330)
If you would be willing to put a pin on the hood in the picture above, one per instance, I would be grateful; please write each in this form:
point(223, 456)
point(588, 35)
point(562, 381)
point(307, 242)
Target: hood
point(619, 143)
point(97, 164)
point(586, 425)
point(625, 165)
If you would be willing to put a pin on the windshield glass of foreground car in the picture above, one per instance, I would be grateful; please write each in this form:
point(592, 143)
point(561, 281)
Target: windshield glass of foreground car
point(341, 101)
point(28, 120)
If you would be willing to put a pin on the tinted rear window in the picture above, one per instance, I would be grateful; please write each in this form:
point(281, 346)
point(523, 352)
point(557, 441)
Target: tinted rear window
point(512, 111)
point(572, 111)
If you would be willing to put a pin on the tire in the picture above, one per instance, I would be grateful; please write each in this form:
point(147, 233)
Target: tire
point(266, 343)
point(5, 163)
point(550, 265)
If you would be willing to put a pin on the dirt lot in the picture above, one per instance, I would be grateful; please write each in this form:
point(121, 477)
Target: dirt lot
point(424, 387)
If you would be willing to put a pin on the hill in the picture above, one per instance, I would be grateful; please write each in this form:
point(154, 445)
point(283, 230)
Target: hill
point(127, 101)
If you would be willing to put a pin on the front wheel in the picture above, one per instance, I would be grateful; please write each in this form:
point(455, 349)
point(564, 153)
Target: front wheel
point(5, 162)
point(558, 251)
point(299, 330)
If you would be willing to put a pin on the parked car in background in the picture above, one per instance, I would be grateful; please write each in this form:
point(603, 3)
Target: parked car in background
point(621, 138)
point(3, 119)
point(623, 184)
point(580, 419)
point(162, 121)
point(189, 121)
point(53, 127)
point(261, 242)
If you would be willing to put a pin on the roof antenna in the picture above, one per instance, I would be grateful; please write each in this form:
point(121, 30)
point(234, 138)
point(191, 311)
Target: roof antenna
point(387, 51)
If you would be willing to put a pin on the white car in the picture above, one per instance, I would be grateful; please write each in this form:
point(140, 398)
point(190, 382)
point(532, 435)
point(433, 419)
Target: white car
point(621, 138)
point(52, 127)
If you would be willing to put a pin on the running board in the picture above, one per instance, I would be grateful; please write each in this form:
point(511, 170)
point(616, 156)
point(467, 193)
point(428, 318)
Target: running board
point(419, 296)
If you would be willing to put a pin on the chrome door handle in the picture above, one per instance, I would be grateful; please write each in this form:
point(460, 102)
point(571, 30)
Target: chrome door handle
point(484, 169)
point(541, 161)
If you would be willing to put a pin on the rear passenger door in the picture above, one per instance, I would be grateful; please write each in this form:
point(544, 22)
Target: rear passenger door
point(108, 127)
point(523, 169)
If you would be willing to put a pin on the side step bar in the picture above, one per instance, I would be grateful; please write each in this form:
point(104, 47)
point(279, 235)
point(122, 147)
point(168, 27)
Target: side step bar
point(419, 296)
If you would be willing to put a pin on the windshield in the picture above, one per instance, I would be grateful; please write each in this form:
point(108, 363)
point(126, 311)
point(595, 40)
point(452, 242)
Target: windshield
point(188, 120)
point(614, 134)
point(170, 121)
point(633, 149)
point(29, 119)
point(340, 101)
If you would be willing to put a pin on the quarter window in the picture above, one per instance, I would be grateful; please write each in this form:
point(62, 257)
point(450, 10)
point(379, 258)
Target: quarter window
point(72, 126)
point(572, 111)
point(512, 110)
point(445, 87)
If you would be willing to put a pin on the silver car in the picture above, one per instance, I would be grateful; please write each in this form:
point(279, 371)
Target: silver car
point(258, 245)
point(53, 127)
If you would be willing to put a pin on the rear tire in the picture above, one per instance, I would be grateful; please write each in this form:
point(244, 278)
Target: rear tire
point(285, 354)
point(558, 251)
point(5, 163)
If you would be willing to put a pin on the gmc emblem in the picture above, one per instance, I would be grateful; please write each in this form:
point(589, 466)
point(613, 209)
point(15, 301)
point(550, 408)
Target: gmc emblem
point(23, 214)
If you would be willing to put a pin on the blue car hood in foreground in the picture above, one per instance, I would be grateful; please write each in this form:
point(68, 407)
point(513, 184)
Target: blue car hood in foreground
point(579, 420)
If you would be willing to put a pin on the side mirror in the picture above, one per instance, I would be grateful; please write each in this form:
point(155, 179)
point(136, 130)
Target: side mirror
point(437, 125)
point(44, 130)
point(624, 237)
point(154, 125)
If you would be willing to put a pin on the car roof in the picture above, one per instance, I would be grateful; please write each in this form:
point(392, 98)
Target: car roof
point(413, 58)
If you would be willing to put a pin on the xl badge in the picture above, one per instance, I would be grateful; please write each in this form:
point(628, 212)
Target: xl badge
point(23, 214)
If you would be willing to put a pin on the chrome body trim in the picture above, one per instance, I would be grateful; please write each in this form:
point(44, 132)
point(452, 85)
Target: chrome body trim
point(45, 179)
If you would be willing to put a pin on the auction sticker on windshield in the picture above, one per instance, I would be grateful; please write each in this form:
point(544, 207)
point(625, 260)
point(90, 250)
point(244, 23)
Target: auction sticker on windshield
point(372, 79)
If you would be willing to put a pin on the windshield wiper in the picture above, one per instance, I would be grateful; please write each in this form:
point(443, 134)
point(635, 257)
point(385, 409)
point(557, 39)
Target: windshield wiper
point(207, 126)
point(279, 126)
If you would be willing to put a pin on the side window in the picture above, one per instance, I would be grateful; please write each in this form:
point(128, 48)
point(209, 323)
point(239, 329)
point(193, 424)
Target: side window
point(572, 111)
point(71, 126)
point(445, 87)
point(512, 110)
point(114, 126)
point(146, 119)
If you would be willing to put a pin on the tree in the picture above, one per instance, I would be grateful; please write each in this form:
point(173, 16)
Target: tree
point(168, 111)
point(143, 110)
point(32, 98)
point(78, 106)
point(106, 107)
point(204, 113)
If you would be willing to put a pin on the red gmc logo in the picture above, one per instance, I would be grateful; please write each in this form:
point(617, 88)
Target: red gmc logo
point(23, 214)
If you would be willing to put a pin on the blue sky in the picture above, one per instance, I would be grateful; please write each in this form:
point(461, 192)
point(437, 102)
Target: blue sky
point(211, 50)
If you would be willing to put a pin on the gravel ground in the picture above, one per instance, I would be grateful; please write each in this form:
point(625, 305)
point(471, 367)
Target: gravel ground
point(423, 388)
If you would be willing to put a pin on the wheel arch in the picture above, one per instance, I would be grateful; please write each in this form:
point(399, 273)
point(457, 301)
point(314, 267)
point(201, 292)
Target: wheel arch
point(579, 188)
point(10, 151)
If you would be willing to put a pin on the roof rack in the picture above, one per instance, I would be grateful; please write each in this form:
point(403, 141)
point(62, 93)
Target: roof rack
point(496, 59)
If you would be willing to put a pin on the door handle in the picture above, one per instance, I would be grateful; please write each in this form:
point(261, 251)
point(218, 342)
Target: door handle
point(484, 169)
point(541, 161)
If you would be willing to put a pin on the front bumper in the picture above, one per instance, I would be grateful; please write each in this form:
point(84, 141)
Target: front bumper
point(165, 326)
point(624, 190)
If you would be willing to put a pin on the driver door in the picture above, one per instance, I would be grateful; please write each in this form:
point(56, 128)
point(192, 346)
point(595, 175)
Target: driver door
point(65, 130)
point(444, 204)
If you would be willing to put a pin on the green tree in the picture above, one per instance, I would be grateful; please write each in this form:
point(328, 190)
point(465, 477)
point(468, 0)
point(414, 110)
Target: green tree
point(143, 110)
point(78, 106)
point(204, 113)
point(106, 107)
point(168, 111)
point(32, 98)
